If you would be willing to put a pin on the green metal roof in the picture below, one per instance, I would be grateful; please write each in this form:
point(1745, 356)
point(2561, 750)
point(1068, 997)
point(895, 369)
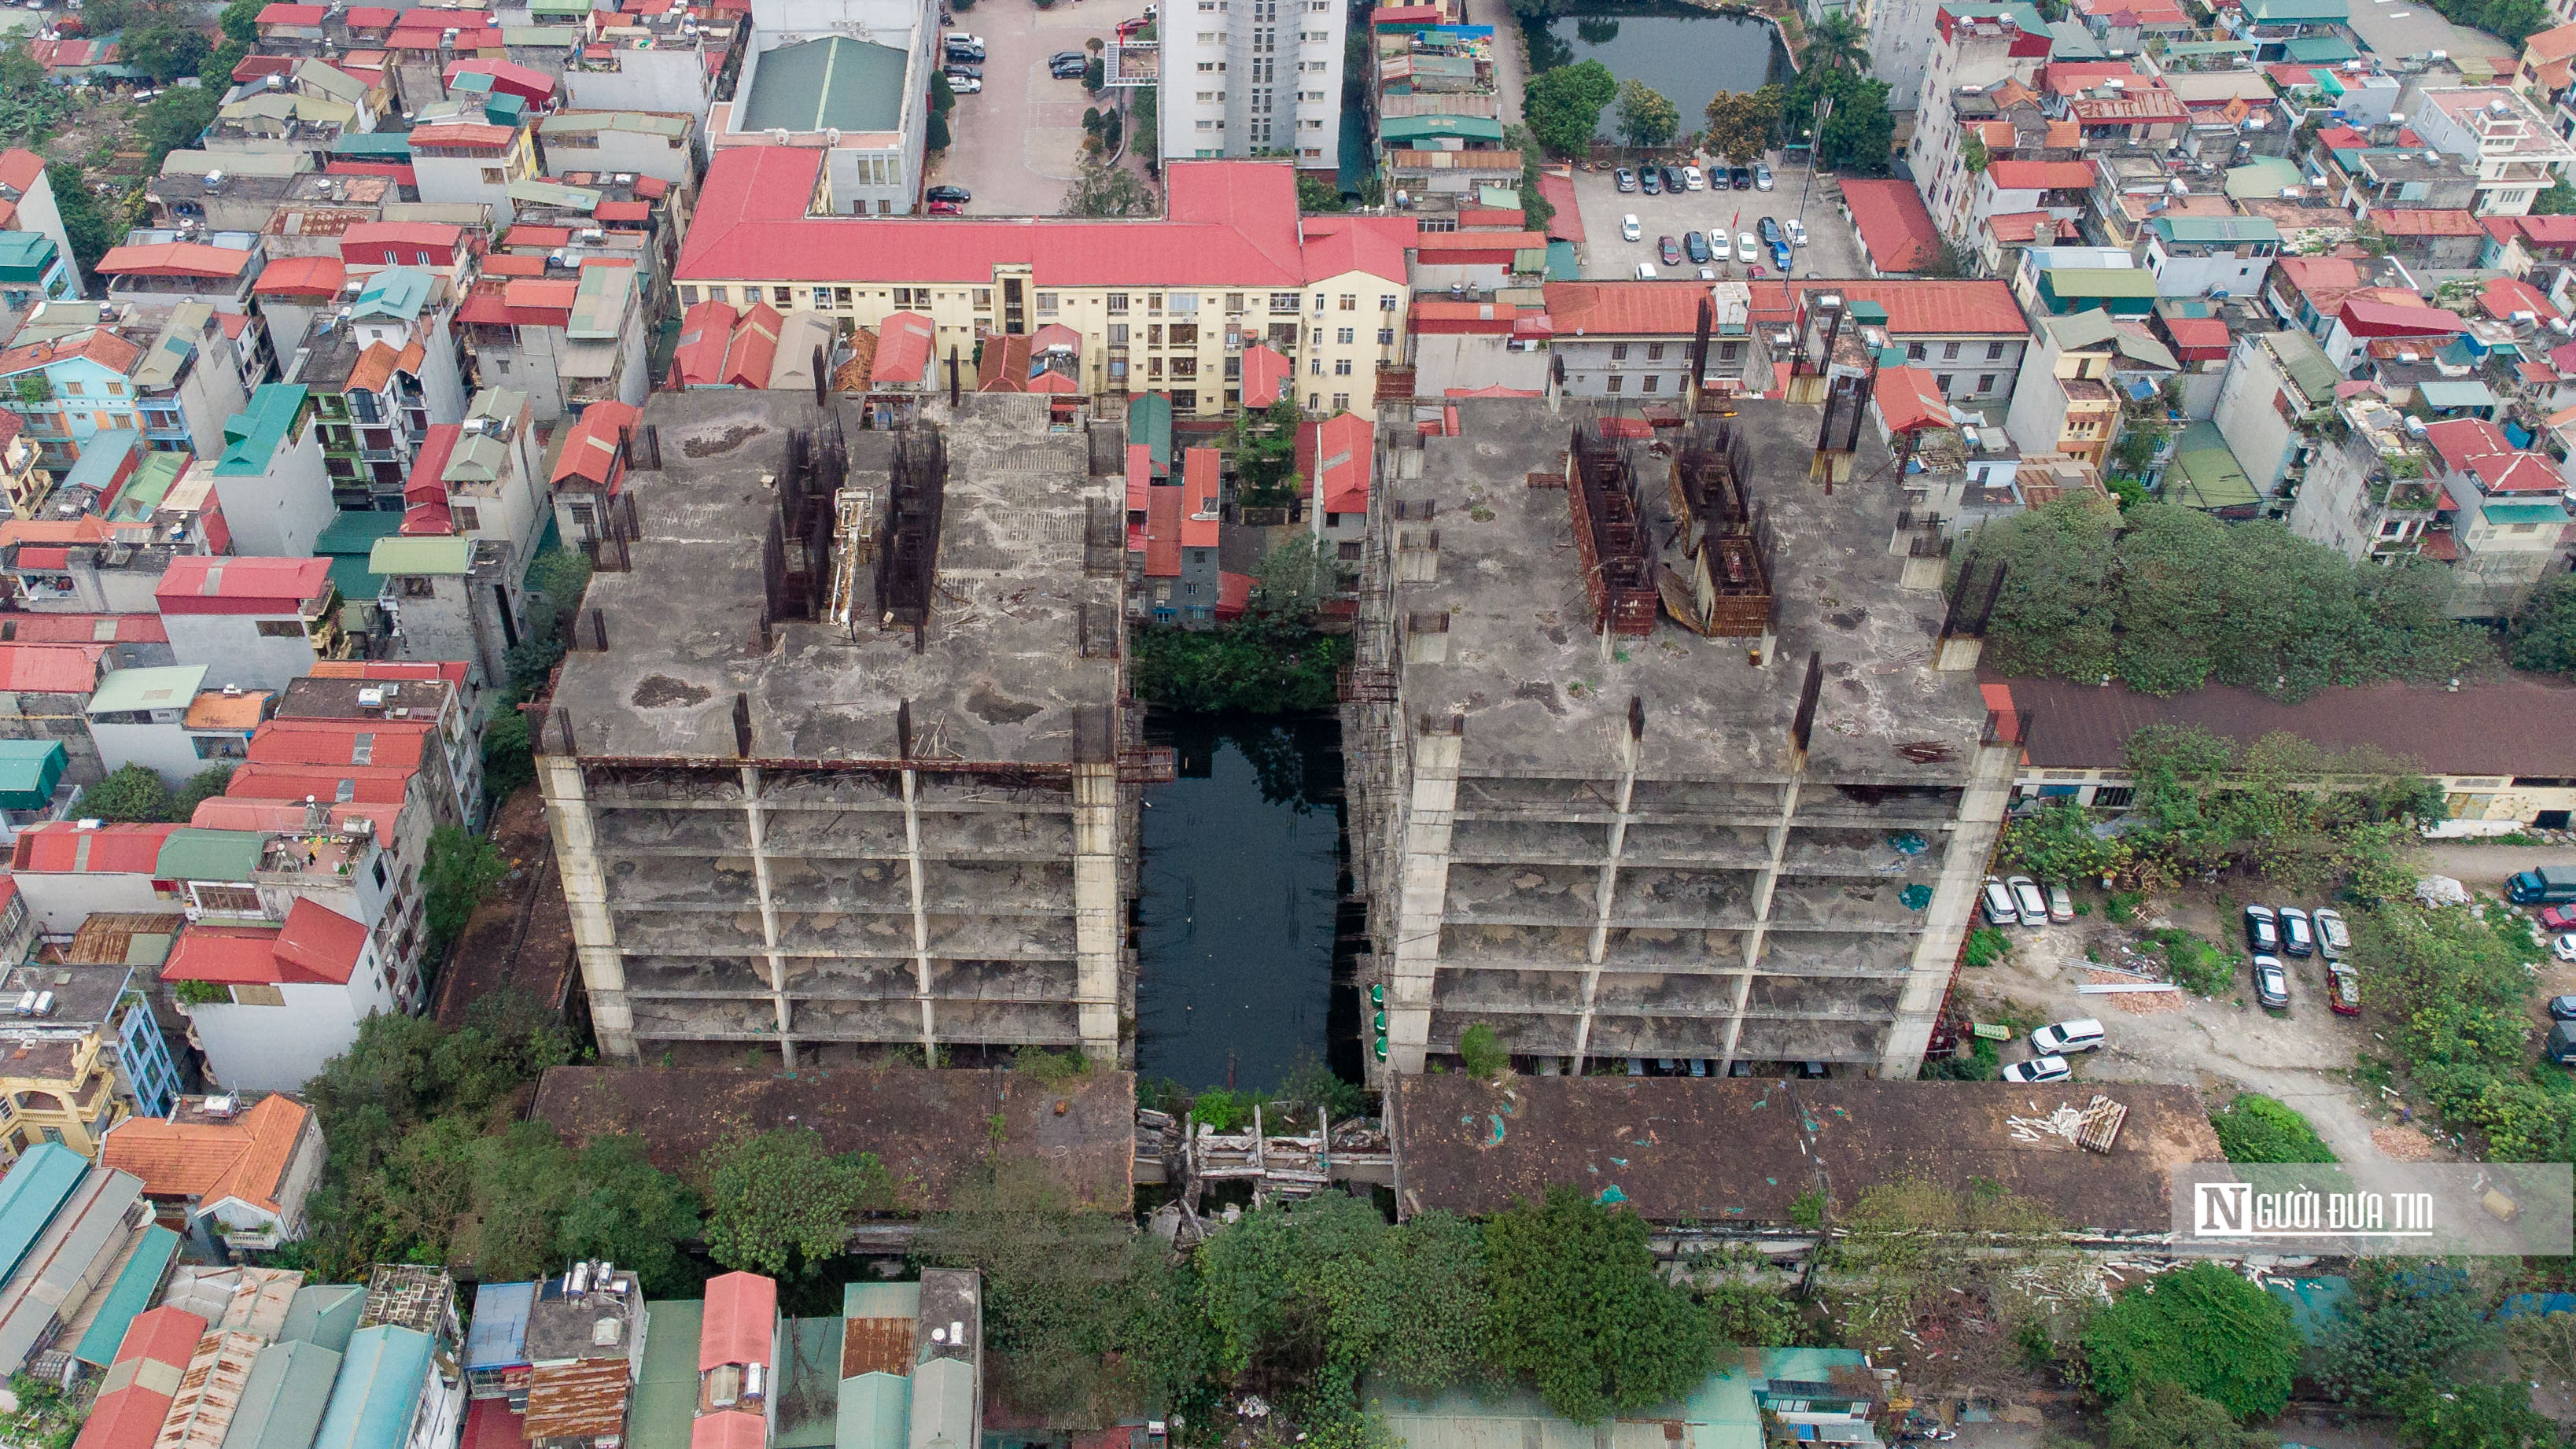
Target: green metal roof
point(253, 436)
point(836, 83)
point(25, 256)
point(129, 1295)
point(599, 303)
point(2319, 50)
point(880, 1300)
point(347, 540)
point(2210, 477)
point(875, 1412)
point(378, 1389)
point(282, 1402)
point(809, 1388)
point(29, 771)
point(1149, 421)
point(2306, 363)
point(149, 485)
point(2275, 12)
point(419, 557)
point(566, 36)
point(2523, 513)
point(171, 686)
point(2263, 176)
point(394, 292)
point(2444, 393)
point(2213, 230)
point(326, 1315)
point(373, 143)
point(193, 854)
point(666, 1388)
point(555, 193)
point(2100, 281)
point(43, 1176)
point(1404, 130)
point(2071, 41)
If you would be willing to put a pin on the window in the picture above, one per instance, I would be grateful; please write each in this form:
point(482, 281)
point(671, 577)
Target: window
point(688, 296)
point(1185, 303)
point(1046, 304)
point(1914, 352)
point(783, 296)
point(1730, 351)
point(1283, 301)
point(281, 628)
point(1341, 402)
point(493, 176)
point(1654, 383)
point(1318, 339)
point(1154, 334)
point(1233, 302)
point(116, 389)
point(840, 296)
point(983, 299)
point(1611, 384)
point(902, 297)
point(1117, 334)
point(1185, 399)
point(1994, 352)
point(1314, 401)
point(1949, 352)
point(1618, 352)
point(1386, 337)
point(1654, 352)
point(1207, 67)
point(73, 388)
point(467, 520)
point(1386, 302)
point(1341, 367)
point(1310, 125)
point(1985, 382)
point(1350, 302)
point(1945, 380)
point(822, 299)
point(1343, 337)
point(382, 875)
point(1314, 367)
point(1117, 304)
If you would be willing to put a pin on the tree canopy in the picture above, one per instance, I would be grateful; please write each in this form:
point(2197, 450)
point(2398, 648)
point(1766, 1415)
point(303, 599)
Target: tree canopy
point(1579, 1310)
point(2543, 633)
point(2203, 1328)
point(1741, 123)
point(2168, 599)
point(130, 792)
point(2403, 1319)
point(2165, 1415)
point(1646, 117)
point(1563, 106)
point(1111, 191)
point(1858, 134)
point(779, 1204)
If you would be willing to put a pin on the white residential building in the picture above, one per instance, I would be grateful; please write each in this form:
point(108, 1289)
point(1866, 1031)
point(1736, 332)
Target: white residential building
point(1254, 78)
point(2516, 153)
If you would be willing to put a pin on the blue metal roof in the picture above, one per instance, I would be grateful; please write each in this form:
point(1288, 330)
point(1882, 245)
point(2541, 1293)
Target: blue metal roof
point(499, 1337)
point(129, 1295)
point(379, 1387)
point(31, 1194)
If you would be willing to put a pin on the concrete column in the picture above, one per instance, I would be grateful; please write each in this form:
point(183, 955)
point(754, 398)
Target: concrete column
point(1423, 899)
point(1599, 946)
point(585, 888)
point(920, 918)
point(757, 819)
point(1953, 909)
point(1098, 920)
point(1763, 884)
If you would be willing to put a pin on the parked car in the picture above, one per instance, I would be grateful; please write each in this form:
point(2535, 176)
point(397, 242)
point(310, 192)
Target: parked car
point(1719, 248)
point(1673, 180)
point(1770, 231)
point(1740, 178)
point(2084, 1034)
point(964, 85)
point(956, 72)
point(2561, 1046)
point(958, 194)
point(1629, 229)
point(2564, 948)
point(1747, 246)
point(1797, 232)
point(1645, 271)
point(945, 208)
point(2562, 1008)
point(2343, 989)
point(2262, 930)
point(1067, 69)
point(1708, 274)
point(2333, 936)
point(955, 41)
point(1064, 57)
point(1692, 179)
point(1626, 178)
point(1780, 257)
point(2061, 905)
point(2000, 910)
point(2550, 885)
point(1695, 244)
point(2297, 937)
point(2556, 918)
point(1651, 179)
point(2271, 983)
point(1761, 176)
point(2028, 900)
point(1670, 250)
point(2038, 1069)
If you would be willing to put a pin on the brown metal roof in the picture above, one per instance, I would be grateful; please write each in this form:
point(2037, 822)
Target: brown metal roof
point(1741, 1150)
point(876, 1346)
point(577, 1400)
point(2516, 726)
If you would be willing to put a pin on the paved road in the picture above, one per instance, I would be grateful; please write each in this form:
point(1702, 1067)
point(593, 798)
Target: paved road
point(1015, 145)
point(1511, 64)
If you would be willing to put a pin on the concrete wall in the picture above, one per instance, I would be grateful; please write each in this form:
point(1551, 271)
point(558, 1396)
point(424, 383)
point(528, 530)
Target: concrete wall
point(165, 749)
point(60, 901)
point(2262, 440)
point(235, 652)
point(280, 1048)
point(279, 513)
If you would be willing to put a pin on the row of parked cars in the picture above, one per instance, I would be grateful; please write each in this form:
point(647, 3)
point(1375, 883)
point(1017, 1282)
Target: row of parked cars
point(1706, 248)
point(2272, 932)
point(1656, 180)
point(2021, 901)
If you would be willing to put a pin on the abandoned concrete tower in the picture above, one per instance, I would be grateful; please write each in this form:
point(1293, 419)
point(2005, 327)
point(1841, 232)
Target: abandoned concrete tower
point(835, 762)
point(1665, 742)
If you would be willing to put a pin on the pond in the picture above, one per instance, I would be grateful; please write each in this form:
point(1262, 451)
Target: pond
point(1236, 918)
point(1690, 55)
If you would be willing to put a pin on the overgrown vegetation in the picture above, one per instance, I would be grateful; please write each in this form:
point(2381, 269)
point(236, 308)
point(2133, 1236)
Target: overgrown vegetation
point(46, 1416)
point(1102, 190)
point(1579, 1310)
point(129, 793)
point(461, 871)
point(2202, 1328)
point(2168, 599)
point(1911, 1249)
point(2511, 21)
point(202, 786)
point(780, 1204)
point(1261, 666)
point(2456, 992)
point(2543, 634)
point(2405, 1319)
point(2256, 1128)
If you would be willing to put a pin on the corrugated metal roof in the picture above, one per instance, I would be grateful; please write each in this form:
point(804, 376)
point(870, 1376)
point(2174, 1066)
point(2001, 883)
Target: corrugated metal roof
point(875, 1412)
point(129, 1295)
point(420, 556)
point(324, 1315)
point(499, 1336)
point(227, 855)
point(379, 1386)
point(577, 1400)
point(666, 1390)
point(201, 1413)
point(169, 686)
point(281, 1407)
point(79, 1245)
point(29, 1196)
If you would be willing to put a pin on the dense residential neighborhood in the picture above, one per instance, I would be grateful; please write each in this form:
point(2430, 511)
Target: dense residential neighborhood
point(981, 725)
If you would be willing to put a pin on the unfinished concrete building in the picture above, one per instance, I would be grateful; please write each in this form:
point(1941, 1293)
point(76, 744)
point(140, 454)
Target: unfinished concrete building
point(1663, 746)
point(836, 762)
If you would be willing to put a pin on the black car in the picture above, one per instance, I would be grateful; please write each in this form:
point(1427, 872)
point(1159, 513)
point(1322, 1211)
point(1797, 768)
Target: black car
point(1696, 245)
point(1067, 69)
point(2262, 930)
point(1626, 178)
point(1770, 230)
point(2562, 1008)
point(1740, 177)
point(1653, 179)
point(1067, 57)
point(958, 194)
point(1673, 179)
point(956, 71)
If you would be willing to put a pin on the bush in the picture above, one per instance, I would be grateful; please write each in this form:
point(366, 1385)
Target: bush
point(2255, 1128)
point(202, 786)
point(1986, 946)
point(1258, 667)
point(1222, 1109)
point(1977, 1064)
point(509, 760)
point(462, 870)
point(1481, 1054)
point(129, 793)
point(2203, 1328)
point(2194, 964)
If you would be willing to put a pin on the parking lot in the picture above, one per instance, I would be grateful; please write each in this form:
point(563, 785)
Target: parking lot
point(1016, 144)
point(1831, 250)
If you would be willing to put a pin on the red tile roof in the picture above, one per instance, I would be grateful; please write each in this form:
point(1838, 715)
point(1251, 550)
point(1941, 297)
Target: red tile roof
point(21, 169)
point(741, 1322)
point(239, 955)
point(368, 784)
point(2504, 296)
point(464, 136)
point(62, 847)
point(1616, 308)
point(245, 1157)
point(728, 1429)
point(590, 450)
point(108, 350)
point(282, 14)
point(80, 628)
point(2039, 175)
point(1920, 306)
point(1338, 454)
point(1163, 532)
point(903, 349)
point(302, 277)
point(1265, 371)
point(2387, 319)
point(706, 330)
point(2417, 221)
point(143, 1380)
point(1200, 482)
point(174, 259)
point(1909, 400)
point(204, 584)
point(1230, 224)
point(50, 668)
point(2021, 227)
point(337, 741)
point(1892, 223)
point(1558, 191)
point(753, 352)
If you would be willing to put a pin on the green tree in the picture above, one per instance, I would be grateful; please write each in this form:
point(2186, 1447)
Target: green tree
point(2457, 999)
point(1837, 42)
point(509, 757)
point(1295, 578)
point(1646, 117)
point(1261, 666)
point(176, 118)
point(1747, 1315)
point(2165, 1415)
point(2558, 200)
point(519, 1183)
point(167, 46)
point(1481, 1053)
point(2543, 633)
point(2256, 1128)
point(1579, 1310)
point(2203, 1328)
point(1315, 194)
point(1742, 123)
point(1111, 191)
point(1972, 151)
point(88, 226)
point(130, 792)
point(779, 1204)
point(560, 574)
point(240, 20)
point(2474, 1415)
point(2058, 843)
point(631, 1213)
point(1095, 75)
point(2404, 1319)
point(1563, 106)
point(461, 871)
point(1536, 210)
point(202, 786)
point(936, 136)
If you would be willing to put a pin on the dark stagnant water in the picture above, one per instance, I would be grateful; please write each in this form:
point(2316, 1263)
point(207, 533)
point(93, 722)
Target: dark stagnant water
point(1689, 55)
point(1239, 913)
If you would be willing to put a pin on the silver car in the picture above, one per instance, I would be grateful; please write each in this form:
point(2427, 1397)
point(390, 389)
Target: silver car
point(2029, 901)
point(2333, 936)
point(2061, 906)
point(2000, 910)
point(2271, 983)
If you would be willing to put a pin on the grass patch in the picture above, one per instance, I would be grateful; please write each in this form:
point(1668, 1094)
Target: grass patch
point(2256, 1128)
point(2196, 965)
point(1986, 946)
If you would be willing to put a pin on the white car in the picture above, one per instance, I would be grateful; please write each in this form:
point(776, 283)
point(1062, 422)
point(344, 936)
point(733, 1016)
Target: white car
point(964, 85)
point(1645, 271)
point(2058, 1038)
point(1692, 180)
point(2038, 1069)
point(1630, 229)
point(2564, 948)
point(1708, 274)
point(1797, 231)
point(2027, 897)
point(1718, 250)
point(2000, 910)
point(1748, 246)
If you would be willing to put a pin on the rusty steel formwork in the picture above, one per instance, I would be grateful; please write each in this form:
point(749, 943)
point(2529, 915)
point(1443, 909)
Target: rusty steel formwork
point(1610, 537)
point(1724, 589)
point(908, 565)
